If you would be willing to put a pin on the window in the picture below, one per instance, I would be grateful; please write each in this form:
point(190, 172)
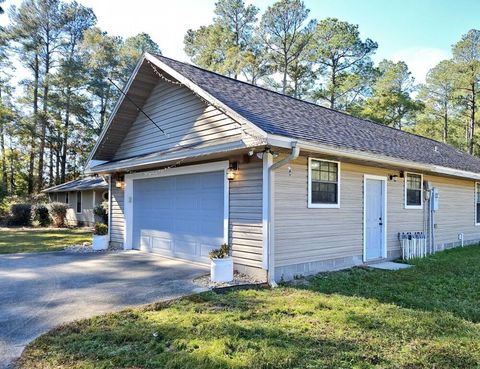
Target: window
point(413, 191)
point(324, 184)
point(477, 203)
point(66, 197)
point(79, 201)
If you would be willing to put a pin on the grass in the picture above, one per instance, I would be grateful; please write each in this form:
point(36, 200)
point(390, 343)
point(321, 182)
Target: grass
point(424, 317)
point(13, 240)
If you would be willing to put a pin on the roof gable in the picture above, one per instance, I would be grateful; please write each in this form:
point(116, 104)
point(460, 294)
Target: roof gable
point(183, 118)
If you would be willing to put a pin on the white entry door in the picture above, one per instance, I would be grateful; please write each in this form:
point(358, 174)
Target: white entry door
point(375, 218)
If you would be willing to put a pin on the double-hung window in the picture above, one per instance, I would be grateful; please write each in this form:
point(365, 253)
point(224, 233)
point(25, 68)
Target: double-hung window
point(79, 201)
point(413, 191)
point(477, 203)
point(323, 183)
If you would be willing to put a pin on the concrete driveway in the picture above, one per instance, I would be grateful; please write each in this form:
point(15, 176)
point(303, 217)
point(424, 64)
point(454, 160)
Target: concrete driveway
point(41, 291)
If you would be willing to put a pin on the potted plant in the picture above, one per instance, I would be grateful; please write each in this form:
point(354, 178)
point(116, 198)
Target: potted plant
point(100, 237)
point(221, 265)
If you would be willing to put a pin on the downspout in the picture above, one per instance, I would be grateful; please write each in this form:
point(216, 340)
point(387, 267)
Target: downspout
point(271, 252)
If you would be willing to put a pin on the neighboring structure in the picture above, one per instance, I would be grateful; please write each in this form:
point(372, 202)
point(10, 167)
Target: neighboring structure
point(81, 195)
point(309, 189)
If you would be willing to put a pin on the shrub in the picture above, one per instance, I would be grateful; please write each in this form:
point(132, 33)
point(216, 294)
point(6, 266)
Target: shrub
point(101, 211)
point(41, 215)
point(100, 229)
point(58, 212)
point(21, 214)
point(221, 253)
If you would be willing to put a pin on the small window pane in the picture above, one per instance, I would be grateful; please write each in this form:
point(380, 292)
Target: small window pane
point(79, 202)
point(414, 197)
point(477, 213)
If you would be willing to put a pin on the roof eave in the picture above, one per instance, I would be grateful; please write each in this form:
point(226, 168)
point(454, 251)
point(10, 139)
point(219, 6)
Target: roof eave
point(286, 142)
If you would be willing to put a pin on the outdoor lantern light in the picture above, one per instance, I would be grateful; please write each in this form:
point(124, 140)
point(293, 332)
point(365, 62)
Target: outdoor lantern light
point(231, 171)
point(120, 181)
point(393, 177)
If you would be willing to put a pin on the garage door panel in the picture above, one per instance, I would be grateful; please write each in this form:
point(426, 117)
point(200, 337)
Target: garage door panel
point(180, 216)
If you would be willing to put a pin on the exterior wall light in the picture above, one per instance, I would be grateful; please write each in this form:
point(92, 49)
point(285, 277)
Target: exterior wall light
point(120, 182)
point(393, 177)
point(232, 171)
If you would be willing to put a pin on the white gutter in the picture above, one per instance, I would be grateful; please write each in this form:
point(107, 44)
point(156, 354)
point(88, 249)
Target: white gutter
point(270, 242)
point(285, 142)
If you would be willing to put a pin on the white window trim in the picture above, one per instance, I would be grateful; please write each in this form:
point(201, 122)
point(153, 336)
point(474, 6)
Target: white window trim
point(76, 202)
point(323, 206)
point(189, 169)
point(475, 204)
point(418, 207)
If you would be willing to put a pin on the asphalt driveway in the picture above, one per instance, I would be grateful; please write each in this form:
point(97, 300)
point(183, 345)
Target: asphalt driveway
point(41, 291)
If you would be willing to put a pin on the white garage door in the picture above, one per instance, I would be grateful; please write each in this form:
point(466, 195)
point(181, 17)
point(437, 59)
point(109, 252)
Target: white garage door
point(180, 216)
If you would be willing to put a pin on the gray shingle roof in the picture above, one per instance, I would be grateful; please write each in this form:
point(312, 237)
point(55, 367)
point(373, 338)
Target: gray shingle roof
point(82, 184)
point(286, 116)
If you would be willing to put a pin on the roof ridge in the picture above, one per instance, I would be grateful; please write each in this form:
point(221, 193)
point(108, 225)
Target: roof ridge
point(311, 103)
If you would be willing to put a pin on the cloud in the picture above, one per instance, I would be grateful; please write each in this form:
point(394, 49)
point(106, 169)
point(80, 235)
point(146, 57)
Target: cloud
point(420, 60)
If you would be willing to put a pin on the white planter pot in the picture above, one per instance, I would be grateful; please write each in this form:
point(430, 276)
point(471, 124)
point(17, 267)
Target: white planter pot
point(100, 242)
point(221, 270)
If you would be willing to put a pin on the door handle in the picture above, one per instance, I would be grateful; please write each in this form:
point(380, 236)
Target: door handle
point(380, 223)
point(380, 219)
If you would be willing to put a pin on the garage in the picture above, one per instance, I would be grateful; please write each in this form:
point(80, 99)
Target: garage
point(182, 216)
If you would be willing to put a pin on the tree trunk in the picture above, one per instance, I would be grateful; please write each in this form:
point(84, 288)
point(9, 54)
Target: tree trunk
point(4, 159)
point(65, 137)
point(31, 166)
point(43, 134)
point(285, 67)
point(333, 80)
point(13, 155)
point(472, 119)
point(445, 123)
point(50, 164)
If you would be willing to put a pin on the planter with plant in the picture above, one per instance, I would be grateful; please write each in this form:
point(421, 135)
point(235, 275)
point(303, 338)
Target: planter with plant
point(100, 237)
point(221, 265)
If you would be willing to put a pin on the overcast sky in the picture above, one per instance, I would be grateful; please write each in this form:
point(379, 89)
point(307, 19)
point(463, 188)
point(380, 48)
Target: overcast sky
point(419, 32)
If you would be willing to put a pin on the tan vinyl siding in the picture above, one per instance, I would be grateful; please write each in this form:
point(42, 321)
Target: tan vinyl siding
point(246, 214)
point(117, 222)
point(456, 213)
point(185, 118)
point(303, 234)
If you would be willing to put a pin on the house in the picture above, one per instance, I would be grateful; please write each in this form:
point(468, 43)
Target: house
point(81, 195)
point(294, 187)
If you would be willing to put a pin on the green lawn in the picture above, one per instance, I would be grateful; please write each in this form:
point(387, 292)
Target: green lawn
point(424, 317)
point(14, 240)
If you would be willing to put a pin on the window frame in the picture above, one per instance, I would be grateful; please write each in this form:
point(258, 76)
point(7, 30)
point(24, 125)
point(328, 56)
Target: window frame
point(67, 198)
point(419, 207)
point(325, 205)
point(76, 202)
point(477, 222)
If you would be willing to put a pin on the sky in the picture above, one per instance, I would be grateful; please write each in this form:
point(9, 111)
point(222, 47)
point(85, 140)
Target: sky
point(419, 32)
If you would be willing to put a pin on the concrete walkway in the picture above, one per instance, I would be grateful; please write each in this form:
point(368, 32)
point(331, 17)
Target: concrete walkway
point(41, 291)
point(389, 265)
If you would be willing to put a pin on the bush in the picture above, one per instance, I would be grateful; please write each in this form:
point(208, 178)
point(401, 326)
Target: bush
point(41, 215)
point(100, 229)
point(221, 253)
point(101, 211)
point(21, 214)
point(58, 212)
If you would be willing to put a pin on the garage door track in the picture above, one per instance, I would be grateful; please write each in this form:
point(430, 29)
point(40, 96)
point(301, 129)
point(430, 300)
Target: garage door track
point(41, 291)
